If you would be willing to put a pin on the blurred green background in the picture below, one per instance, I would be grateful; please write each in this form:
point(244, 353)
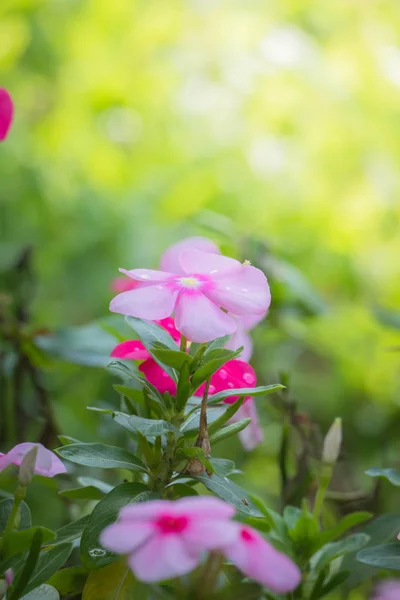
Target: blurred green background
point(273, 128)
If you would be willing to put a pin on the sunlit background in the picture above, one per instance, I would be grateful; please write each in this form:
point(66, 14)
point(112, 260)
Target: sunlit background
point(272, 127)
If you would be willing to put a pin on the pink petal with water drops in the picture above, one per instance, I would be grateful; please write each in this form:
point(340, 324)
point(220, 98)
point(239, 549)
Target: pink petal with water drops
point(130, 350)
point(244, 291)
point(6, 113)
point(151, 302)
point(170, 259)
point(199, 320)
point(123, 284)
point(149, 276)
point(169, 325)
point(114, 537)
point(233, 374)
point(158, 377)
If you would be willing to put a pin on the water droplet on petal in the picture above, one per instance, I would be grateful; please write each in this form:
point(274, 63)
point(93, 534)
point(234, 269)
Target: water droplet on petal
point(230, 384)
point(211, 389)
point(249, 378)
point(223, 374)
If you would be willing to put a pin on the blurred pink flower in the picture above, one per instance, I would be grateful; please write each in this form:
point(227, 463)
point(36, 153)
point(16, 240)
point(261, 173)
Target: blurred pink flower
point(134, 349)
point(387, 590)
point(165, 539)
point(241, 336)
point(6, 113)
point(258, 559)
point(47, 463)
point(210, 282)
point(9, 576)
point(158, 377)
point(170, 260)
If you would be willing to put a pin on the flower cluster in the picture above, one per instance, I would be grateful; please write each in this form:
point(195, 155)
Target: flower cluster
point(165, 539)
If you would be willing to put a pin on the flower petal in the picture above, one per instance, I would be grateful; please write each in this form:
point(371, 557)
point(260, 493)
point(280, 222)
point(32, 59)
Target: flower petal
point(241, 292)
point(148, 275)
point(47, 463)
point(204, 507)
point(158, 377)
point(162, 557)
point(144, 511)
point(233, 374)
point(248, 322)
point(6, 113)
point(150, 302)
point(123, 284)
point(123, 537)
point(237, 340)
point(199, 320)
point(198, 262)
point(252, 435)
point(170, 258)
point(169, 325)
point(209, 534)
point(130, 350)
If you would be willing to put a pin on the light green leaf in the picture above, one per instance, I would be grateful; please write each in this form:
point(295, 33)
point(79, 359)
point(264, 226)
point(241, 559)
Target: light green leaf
point(71, 532)
point(114, 582)
point(101, 456)
point(147, 427)
point(230, 492)
point(257, 391)
point(382, 557)
point(69, 581)
point(353, 543)
point(222, 466)
point(19, 542)
point(392, 475)
point(192, 423)
point(228, 431)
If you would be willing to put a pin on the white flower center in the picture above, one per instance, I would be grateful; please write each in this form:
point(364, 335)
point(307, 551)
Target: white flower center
point(189, 282)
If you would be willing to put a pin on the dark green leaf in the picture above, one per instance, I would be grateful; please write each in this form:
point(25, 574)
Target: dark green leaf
point(171, 358)
point(214, 361)
point(19, 542)
point(349, 521)
point(50, 561)
point(25, 573)
point(87, 492)
point(392, 475)
point(72, 531)
point(239, 591)
point(333, 583)
point(97, 483)
point(5, 511)
point(230, 492)
point(147, 427)
point(229, 430)
point(104, 513)
point(192, 423)
point(382, 557)
point(101, 456)
point(222, 466)
point(329, 552)
point(257, 391)
point(114, 582)
point(70, 581)
point(183, 387)
point(229, 412)
point(66, 439)
point(134, 394)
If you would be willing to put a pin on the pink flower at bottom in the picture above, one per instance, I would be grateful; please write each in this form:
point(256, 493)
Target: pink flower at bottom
point(165, 539)
point(47, 463)
point(6, 113)
point(387, 590)
point(258, 559)
point(210, 282)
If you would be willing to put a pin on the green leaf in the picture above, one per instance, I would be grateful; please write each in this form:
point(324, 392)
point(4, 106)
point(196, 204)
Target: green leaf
point(43, 592)
point(19, 542)
point(334, 582)
point(390, 318)
point(181, 490)
point(114, 582)
point(97, 483)
point(69, 581)
point(147, 427)
point(214, 361)
point(222, 466)
point(392, 475)
point(101, 456)
point(192, 423)
point(305, 532)
point(382, 557)
point(183, 388)
point(257, 391)
point(171, 358)
point(217, 344)
point(105, 512)
point(291, 514)
point(194, 452)
point(347, 522)
point(88, 345)
point(134, 394)
point(5, 511)
point(230, 411)
point(329, 552)
point(228, 431)
point(239, 591)
point(50, 561)
point(230, 492)
point(87, 492)
point(152, 335)
point(66, 439)
point(72, 531)
point(23, 575)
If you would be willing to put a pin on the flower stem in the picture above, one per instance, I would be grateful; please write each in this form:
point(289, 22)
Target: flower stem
point(19, 495)
point(325, 479)
point(203, 440)
point(183, 344)
point(209, 575)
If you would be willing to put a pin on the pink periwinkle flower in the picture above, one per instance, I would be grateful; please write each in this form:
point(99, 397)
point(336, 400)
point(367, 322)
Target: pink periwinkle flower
point(47, 463)
point(6, 113)
point(170, 260)
point(258, 559)
point(387, 590)
point(209, 283)
point(123, 284)
point(134, 349)
point(165, 539)
point(241, 337)
point(9, 576)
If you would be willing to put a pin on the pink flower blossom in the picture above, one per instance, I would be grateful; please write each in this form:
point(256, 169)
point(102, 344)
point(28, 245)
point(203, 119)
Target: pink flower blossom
point(258, 559)
point(158, 377)
point(9, 576)
point(6, 113)
point(241, 336)
point(209, 282)
point(387, 590)
point(123, 284)
point(47, 463)
point(165, 539)
point(170, 260)
point(134, 349)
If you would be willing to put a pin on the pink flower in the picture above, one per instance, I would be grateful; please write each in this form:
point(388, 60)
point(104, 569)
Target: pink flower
point(123, 284)
point(158, 377)
point(209, 282)
point(241, 336)
point(165, 539)
point(6, 113)
point(170, 260)
point(387, 590)
point(9, 576)
point(134, 349)
point(47, 463)
point(252, 435)
point(258, 559)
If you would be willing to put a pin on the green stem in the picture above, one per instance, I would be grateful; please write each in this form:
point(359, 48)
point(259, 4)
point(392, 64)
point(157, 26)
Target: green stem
point(9, 413)
point(209, 575)
point(325, 479)
point(19, 495)
point(183, 344)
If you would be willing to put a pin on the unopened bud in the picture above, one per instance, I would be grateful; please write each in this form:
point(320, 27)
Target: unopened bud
point(332, 443)
point(27, 468)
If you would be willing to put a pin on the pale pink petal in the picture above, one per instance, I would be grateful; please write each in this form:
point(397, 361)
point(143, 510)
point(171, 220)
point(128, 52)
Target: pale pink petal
point(205, 507)
point(9, 576)
point(144, 511)
point(170, 258)
point(158, 377)
point(123, 284)
point(387, 590)
point(248, 322)
point(163, 557)
point(6, 113)
point(149, 302)
point(130, 350)
point(199, 320)
point(237, 340)
point(148, 275)
point(203, 263)
point(252, 435)
point(209, 534)
point(258, 559)
point(47, 463)
point(169, 325)
point(124, 537)
point(244, 291)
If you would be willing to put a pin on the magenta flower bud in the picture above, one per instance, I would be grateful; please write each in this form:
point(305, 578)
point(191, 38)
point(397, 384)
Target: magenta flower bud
point(6, 113)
